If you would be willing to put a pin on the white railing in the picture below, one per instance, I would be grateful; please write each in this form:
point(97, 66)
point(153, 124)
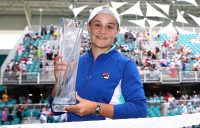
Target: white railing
point(20, 79)
point(44, 77)
point(161, 29)
point(168, 76)
point(12, 54)
point(178, 121)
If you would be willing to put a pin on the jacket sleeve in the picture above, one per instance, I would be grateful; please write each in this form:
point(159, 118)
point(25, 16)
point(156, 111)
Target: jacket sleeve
point(50, 103)
point(132, 89)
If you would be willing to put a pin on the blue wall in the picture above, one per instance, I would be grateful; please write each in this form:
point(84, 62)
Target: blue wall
point(2, 58)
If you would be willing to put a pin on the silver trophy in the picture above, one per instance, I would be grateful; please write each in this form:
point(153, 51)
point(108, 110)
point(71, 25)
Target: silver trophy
point(70, 42)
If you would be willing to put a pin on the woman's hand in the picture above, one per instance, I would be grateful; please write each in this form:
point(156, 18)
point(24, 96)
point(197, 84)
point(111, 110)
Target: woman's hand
point(83, 108)
point(59, 67)
point(59, 71)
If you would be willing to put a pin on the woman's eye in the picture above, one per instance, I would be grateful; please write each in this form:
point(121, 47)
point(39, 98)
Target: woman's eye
point(97, 25)
point(110, 27)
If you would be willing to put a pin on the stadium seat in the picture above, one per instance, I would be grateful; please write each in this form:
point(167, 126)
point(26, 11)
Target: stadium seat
point(2, 105)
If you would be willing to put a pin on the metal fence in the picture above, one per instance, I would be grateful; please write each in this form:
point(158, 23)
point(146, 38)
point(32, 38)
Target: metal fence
point(168, 76)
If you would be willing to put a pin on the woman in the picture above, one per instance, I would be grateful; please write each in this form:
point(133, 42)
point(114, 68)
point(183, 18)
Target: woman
point(10, 116)
point(19, 113)
point(108, 84)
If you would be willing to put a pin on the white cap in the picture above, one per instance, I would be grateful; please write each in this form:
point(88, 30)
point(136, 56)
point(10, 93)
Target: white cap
point(104, 9)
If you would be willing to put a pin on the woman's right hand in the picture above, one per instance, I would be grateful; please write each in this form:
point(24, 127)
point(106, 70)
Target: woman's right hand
point(59, 66)
point(59, 71)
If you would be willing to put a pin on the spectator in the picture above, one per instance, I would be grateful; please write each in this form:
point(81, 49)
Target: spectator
point(19, 113)
point(43, 115)
point(55, 34)
point(4, 97)
point(4, 115)
point(29, 61)
point(46, 67)
point(20, 49)
point(10, 116)
point(51, 30)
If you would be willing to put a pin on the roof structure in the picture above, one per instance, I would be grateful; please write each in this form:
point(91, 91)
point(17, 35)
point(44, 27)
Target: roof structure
point(162, 10)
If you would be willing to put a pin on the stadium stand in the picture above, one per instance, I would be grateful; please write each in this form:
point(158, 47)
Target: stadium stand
point(170, 58)
point(31, 62)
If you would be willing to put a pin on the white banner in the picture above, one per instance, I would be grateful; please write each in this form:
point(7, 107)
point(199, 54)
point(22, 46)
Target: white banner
point(190, 1)
point(196, 19)
point(156, 122)
point(76, 11)
point(152, 12)
point(164, 7)
point(117, 5)
point(135, 10)
point(180, 18)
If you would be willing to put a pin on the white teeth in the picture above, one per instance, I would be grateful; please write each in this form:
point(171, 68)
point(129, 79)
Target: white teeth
point(101, 37)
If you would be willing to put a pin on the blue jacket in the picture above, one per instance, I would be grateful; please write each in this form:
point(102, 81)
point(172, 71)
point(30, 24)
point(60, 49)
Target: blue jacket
point(111, 79)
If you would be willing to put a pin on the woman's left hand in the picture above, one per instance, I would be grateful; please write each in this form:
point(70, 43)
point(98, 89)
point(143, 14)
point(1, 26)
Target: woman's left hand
point(83, 108)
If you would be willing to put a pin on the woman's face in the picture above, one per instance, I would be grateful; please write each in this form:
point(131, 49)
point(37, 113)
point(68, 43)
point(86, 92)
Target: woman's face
point(103, 29)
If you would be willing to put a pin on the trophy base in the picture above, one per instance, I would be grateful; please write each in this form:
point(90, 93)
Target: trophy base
point(60, 107)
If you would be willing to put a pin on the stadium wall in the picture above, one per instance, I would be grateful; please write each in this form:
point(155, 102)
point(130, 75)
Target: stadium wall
point(2, 58)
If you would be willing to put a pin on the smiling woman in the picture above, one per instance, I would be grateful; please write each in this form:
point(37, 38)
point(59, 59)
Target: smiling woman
point(108, 84)
point(103, 29)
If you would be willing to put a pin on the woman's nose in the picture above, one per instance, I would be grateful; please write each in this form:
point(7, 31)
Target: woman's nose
point(103, 30)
